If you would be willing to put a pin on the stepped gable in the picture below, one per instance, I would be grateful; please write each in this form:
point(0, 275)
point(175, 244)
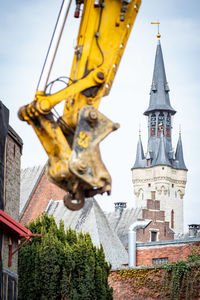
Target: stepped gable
point(92, 219)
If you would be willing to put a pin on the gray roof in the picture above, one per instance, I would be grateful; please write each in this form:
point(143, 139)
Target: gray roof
point(179, 160)
point(159, 94)
point(29, 180)
point(121, 220)
point(92, 219)
point(160, 150)
point(162, 156)
point(140, 158)
point(160, 153)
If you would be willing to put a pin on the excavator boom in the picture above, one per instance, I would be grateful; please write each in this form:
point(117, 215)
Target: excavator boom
point(72, 141)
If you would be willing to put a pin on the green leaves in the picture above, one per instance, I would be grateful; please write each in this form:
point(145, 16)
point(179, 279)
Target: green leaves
point(61, 265)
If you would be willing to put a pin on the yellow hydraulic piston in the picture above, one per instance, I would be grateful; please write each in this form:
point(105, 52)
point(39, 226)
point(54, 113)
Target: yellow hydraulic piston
point(72, 141)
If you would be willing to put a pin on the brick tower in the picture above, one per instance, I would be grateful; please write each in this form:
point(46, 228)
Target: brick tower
point(160, 174)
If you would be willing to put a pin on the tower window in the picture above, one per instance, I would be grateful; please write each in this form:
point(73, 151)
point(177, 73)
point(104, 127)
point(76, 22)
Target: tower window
point(160, 123)
point(172, 185)
point(153, 236)
point(153, 195)
point(153, 125)
point(153, 120)
point(172, 219)
point(153, 131)
point(161, 119)
point(168, 125)
point(165, 231)
point(149, 184)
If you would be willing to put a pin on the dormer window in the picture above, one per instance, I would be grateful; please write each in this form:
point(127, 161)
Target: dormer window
point(167, 87)
point(154, 89)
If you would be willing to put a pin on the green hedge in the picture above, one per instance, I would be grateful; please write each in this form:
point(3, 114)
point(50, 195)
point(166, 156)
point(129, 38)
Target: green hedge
point(61, 265)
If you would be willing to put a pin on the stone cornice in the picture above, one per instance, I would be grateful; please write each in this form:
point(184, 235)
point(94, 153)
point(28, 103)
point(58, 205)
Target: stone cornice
point(160, 178)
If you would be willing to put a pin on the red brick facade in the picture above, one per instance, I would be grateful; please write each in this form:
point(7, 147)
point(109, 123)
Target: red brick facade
point(174, 252)
point(158, 225)
point(44, 192)
point(148, 282)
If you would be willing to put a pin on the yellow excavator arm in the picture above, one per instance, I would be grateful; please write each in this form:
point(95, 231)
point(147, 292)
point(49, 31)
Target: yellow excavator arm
point(72, 141)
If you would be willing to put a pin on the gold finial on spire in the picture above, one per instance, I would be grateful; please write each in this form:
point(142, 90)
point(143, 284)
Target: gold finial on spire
point(179, 129)
point(157, 23)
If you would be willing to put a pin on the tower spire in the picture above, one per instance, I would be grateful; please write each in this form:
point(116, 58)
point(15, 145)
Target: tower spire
point(179, 160)
point(139, 161)
point(162, 158)
point(159, 94)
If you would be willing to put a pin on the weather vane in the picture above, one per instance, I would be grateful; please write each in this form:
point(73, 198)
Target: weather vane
point(157, 23)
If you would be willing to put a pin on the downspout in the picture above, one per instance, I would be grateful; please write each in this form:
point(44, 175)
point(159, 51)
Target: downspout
point(132, 240)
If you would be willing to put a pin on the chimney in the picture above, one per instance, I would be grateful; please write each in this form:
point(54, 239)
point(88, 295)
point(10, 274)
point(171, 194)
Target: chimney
point(193, 230)
point(119, 206)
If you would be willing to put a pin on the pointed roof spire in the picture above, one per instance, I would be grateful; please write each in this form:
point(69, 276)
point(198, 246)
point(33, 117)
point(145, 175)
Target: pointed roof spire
point(180, 164)
point(162, 157)
point(159, 94)
point(140, 159)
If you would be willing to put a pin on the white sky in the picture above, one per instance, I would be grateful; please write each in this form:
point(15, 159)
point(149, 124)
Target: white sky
point(25, 31)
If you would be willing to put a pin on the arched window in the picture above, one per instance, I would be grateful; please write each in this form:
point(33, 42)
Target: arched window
point(160, 123)
point(172, 219)
point(153, 124)
point(168, 125)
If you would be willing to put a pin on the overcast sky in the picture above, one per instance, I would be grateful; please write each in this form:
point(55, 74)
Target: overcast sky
point(25, 31)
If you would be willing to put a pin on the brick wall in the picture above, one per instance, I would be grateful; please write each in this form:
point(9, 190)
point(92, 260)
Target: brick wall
point(148, 283)
point(122, 290)
point(153, 214)
point(162, 229)
point(153, 204)
point(44, 192)
point(11, 191)
point(173, 250)
point(12, 177)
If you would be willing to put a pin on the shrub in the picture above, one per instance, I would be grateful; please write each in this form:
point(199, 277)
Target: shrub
point(62, 265)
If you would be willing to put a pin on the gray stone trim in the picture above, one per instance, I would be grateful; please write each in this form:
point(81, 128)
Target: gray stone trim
point(169, 243)
point(10, 273)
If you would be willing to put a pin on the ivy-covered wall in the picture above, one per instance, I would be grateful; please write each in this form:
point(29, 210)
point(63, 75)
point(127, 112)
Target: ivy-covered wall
point(179, 280)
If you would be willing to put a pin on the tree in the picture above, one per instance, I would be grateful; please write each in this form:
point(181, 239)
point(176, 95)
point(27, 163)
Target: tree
point(62, 265)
